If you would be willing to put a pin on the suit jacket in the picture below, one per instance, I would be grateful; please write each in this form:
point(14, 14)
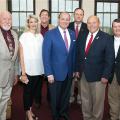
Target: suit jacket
point(83, 29)
point(8, 65)
point(116, 68)
point(56, 58)
point(100, 59)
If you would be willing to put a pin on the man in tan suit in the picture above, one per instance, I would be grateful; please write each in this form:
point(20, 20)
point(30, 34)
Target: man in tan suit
point(8, 58)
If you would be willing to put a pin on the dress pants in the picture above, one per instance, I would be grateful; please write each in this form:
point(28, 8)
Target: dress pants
point(30, 91)
point(92, 95)
point(114, 99)
point(5, 93)
point(72, 97)
point(60, 95)
point(38, 95)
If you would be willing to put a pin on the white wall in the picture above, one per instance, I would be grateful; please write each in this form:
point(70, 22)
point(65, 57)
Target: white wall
point(40, 4)
point(3, 5)
point(88, 6)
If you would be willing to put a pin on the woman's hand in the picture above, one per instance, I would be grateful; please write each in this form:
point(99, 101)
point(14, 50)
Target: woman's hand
point(24, 79)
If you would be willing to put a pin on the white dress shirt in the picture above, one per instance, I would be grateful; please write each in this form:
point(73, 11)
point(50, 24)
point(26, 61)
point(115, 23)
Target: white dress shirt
point(32, 52)
point(116, 45)
point(89, 36)
point(67, 33)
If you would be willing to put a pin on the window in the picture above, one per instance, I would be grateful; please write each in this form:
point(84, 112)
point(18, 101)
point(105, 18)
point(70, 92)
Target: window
point(107, 11)
point(56, 6)
point(20, 9)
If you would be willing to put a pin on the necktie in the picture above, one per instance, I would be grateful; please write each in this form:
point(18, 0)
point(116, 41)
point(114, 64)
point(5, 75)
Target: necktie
point(76, 31)
point(89, 44)
point(65, 40)
point(10, 45)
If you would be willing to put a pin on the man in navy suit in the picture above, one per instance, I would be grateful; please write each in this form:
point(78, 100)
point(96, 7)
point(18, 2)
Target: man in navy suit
point(58, 58)
point(114, 87)
point(80, 28)
point(94, 63)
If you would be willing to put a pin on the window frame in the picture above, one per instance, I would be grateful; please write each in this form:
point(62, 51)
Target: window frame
point(18, 11)
point(50, 7)
point(107, 1)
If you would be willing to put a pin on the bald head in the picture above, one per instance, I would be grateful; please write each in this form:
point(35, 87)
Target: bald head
point(93, 24)
point(5, 20)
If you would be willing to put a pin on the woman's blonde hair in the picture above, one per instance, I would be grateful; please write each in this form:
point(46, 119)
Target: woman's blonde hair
point(27, 22)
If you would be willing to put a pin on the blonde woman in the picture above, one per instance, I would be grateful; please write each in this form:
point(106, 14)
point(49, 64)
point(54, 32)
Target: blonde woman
point(31, 63)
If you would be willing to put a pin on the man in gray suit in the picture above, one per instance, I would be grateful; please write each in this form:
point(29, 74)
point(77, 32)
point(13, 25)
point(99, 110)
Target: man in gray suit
point(8, 60)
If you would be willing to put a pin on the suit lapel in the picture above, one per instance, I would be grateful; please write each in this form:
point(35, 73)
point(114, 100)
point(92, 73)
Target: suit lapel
point(61, 38)
point(16, 45)
point(4, 43)
point(94, 41)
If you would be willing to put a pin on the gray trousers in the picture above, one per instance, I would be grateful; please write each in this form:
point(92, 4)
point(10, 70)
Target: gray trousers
point(5, 93)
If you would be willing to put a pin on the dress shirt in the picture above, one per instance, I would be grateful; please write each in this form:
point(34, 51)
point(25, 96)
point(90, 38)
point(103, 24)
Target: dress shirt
point(67, 33)
point(116, 45)
point(79, 26)
point(43, 30)
point(32, 52)
point(89, 36)
point(4, 32)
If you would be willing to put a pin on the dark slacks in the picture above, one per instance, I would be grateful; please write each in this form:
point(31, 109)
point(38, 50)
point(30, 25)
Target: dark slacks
point(38, 96)
point(60, 95)
point(30, 91)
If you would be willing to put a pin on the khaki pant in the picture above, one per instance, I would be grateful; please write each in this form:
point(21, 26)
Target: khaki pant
point(4, 97)
point(114, 99)
point(92, 95)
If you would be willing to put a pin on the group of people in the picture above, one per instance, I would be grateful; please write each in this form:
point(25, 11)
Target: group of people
point(58, 55)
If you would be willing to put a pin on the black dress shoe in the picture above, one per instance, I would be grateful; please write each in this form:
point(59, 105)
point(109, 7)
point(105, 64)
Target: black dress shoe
point(65, 117)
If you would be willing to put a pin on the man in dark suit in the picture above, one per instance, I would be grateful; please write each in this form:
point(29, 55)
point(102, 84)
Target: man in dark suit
point(114, 87)
point(58, 60)
point(80, 28)
point(95, 59)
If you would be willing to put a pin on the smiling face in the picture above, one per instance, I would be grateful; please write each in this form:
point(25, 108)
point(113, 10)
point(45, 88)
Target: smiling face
point(116, 29)
point(44, 17)
point(93, 24)
point(33, 24)
point(5, 20)
point(64, 20)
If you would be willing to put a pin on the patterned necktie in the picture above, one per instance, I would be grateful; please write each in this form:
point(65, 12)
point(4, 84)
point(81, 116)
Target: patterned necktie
point(89, 44)
point(10, 45)
point(76, 31)
point(65, 40)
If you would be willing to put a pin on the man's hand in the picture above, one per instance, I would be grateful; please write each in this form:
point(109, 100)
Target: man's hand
point(16, 80)
point(104, 80)
point(50, 79)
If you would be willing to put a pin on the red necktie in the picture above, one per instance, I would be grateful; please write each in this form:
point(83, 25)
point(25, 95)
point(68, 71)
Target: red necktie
point(89, 44)
point(65, 40)
point(76, 31)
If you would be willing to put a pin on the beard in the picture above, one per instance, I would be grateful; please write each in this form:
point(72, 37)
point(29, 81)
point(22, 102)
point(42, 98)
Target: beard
point(6, 28)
